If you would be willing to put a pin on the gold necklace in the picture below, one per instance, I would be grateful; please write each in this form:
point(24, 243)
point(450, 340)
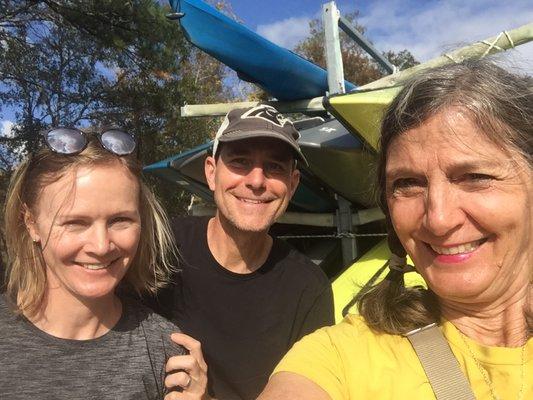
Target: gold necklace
point(485, 375)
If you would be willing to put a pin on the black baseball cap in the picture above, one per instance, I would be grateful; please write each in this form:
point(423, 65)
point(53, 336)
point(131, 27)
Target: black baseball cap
point(259, 121)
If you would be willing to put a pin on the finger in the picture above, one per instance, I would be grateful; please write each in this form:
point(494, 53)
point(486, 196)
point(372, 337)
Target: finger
point(191, 344)
point(175, 396)
point(179, 378)
point(187, 363)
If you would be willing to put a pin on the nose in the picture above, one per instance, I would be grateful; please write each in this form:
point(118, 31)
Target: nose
point(99, 242)
point(255, 179)
point(443, 212)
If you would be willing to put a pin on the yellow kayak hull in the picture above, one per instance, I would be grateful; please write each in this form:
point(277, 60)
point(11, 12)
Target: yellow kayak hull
point(352, 279)
point(361, 112)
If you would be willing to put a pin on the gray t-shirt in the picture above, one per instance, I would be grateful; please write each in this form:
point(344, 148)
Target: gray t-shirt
point(128, 362)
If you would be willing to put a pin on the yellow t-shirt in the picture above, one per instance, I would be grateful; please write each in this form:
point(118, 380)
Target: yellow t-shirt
point(350, 362)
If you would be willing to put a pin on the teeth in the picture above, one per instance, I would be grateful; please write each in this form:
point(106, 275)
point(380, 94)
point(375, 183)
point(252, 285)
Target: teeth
point(463, 248)
point(252, 201)
point(94, 266)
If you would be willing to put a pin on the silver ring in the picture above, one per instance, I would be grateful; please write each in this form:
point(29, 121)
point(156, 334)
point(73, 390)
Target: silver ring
point(188, 383)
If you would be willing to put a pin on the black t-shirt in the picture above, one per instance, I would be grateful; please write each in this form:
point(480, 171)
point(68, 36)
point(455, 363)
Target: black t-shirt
point(245, 322)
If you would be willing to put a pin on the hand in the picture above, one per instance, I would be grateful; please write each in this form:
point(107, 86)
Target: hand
point(188, 371)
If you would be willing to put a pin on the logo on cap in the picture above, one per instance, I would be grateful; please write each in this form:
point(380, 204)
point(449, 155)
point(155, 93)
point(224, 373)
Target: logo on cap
point(259, 121)
point(267, 113)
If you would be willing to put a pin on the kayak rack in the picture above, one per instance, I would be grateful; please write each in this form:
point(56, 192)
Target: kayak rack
point(345, 219)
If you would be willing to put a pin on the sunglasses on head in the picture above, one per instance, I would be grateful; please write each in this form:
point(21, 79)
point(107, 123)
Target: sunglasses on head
point(70, 141)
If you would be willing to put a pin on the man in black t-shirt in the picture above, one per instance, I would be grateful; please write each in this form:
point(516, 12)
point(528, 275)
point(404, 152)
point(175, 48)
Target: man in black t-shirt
point(247, 297)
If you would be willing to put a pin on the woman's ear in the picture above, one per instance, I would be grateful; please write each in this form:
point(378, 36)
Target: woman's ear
point(31, 225)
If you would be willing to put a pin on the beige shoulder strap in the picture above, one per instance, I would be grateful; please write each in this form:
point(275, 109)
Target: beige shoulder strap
point(439, 363)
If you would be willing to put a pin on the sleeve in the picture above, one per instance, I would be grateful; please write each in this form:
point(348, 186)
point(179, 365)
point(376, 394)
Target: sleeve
point(157, 331)
point(316, 358)
point(168, 347)
point(321, 312)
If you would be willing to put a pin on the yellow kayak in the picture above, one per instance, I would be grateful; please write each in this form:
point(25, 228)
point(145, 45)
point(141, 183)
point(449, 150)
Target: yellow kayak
point(360, 112)
point(352, 279)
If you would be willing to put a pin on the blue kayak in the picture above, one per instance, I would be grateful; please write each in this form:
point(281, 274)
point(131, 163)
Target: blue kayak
point(280, 72)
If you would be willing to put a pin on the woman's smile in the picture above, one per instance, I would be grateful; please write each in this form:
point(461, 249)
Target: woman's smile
point(457, 249)
point(92, 232)
point(456, 199)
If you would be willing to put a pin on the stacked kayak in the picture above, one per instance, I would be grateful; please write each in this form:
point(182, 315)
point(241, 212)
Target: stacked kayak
point(280, 72)
point(341, 150)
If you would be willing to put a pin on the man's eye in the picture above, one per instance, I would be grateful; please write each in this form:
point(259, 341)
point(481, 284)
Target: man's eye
point(240, 162)
point(275, 168)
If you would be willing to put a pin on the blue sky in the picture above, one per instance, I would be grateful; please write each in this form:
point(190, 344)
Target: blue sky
point(426, 28)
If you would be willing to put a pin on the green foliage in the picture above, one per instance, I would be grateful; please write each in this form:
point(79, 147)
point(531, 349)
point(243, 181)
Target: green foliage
point(402, 59)
point(79, 62)
point(95, 62)
point(359, 68)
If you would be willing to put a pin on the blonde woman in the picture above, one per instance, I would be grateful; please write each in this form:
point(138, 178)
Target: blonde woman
point(79, 223)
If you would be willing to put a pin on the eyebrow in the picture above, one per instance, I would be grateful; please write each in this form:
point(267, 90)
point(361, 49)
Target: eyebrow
point(237, 151)
point(400, 171)
point(84, 215)
point(478, 164)
point(460, 166)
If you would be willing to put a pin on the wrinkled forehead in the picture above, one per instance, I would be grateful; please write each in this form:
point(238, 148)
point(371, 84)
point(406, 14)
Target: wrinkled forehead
point(450, 134)
point(258, 148)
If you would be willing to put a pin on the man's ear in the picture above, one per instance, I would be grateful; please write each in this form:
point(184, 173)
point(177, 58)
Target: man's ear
point(295, 180)
point(210, 167)
point(31, 225)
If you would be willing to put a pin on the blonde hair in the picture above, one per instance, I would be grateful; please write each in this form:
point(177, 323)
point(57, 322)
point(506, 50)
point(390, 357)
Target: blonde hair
point(25, 274)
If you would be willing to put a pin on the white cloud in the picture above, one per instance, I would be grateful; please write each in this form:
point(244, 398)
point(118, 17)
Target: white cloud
point(5, 128)
point(286, 33)
point(425, 28)
point(436, 27)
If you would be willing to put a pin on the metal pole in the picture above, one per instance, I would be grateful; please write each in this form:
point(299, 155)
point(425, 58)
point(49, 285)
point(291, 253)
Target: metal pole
point(504, 41)
point(218, 109)
point(330, 18)
point(344, 225)
point(345, 25)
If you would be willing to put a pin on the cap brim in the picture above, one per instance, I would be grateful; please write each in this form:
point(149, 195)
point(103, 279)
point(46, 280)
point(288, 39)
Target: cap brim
point(242, 135)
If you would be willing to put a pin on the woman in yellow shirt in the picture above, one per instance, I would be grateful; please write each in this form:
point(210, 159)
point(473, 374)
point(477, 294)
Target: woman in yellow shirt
point(456, 183)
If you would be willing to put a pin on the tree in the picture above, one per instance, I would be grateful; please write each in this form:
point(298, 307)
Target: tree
point(359, 68)
point(96, 62)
